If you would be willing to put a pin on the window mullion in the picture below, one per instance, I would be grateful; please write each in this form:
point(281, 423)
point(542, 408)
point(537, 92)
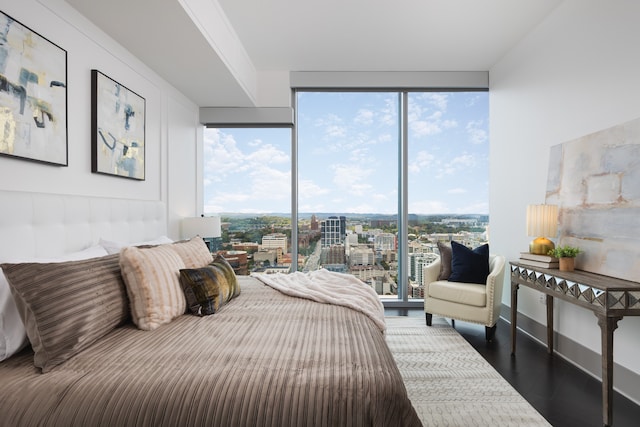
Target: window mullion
point(403, 158)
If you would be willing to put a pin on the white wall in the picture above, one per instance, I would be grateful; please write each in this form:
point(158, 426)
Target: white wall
point(575, 74)
point(171, 119)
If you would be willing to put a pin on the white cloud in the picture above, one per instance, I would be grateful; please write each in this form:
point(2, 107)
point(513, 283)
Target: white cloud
point(432, 124)
point(464, 160)
point(422, 160)
point(458, 165)
point(309, 190)
point(471, 101)
point(477, 135)
point(428, 207)
point(360, 155)
point(438, 100)
point(221, 201)
point(389, 114)
point(335, 131)
point(474, 208)
point(365, 207)
point(270, 184)
point(425, 128)
point(312, 207)
point(267, 154)
point(332, 125)
point(456, 191)
point(352, 179)
point(386, 137)
point(449, 124)
point(223, 154)
point(364, 117)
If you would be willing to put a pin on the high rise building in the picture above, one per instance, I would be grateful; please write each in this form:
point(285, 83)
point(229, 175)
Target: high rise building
point(417, 262)
point(333, 231)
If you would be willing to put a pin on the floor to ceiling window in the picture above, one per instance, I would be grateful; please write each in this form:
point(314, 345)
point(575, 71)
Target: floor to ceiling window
point(448, 175)
point(347, 184)
point(349, 181)
point(382, 176)
point(247, 181)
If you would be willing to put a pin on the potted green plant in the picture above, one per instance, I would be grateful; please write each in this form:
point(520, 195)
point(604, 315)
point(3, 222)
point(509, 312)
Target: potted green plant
point(566, 256)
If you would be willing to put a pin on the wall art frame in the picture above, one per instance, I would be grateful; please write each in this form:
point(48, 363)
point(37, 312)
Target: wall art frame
point(33, 95)
point(595, 181)
point(118, 116)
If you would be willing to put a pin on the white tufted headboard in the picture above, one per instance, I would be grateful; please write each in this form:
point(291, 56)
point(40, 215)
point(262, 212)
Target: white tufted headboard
point(43, 225)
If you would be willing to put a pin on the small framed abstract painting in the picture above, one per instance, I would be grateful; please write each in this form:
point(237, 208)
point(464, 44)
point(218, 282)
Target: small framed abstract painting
point(33, 95)
point(117, 128)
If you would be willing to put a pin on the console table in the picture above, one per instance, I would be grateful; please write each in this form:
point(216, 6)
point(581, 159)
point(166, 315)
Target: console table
point(609, 298)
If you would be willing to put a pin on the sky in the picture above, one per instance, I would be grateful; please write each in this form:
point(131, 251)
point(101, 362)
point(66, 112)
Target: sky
point(348, 157)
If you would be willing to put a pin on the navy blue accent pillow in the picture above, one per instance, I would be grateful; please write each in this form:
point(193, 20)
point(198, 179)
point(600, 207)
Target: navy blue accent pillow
point(469, 266)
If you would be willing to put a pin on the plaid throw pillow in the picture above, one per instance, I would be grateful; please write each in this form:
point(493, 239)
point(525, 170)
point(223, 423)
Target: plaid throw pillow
point(208, 288)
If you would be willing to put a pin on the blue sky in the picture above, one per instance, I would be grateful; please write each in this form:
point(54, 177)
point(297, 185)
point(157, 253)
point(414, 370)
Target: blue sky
point(348, 155)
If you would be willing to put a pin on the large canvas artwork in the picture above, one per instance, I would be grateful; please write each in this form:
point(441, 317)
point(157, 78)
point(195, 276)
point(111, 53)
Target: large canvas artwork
point(118, 129)
point(33, 95)
point(595, 181)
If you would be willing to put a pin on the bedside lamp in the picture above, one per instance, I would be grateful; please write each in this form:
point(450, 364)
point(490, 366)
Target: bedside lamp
point(207, 227)
point(542, 222)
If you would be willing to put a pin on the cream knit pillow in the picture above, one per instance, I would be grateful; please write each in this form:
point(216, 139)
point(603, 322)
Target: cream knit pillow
point(152, 278)
point(194, 252)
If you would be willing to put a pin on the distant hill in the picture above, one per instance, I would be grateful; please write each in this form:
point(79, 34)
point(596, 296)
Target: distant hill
point(361, 216)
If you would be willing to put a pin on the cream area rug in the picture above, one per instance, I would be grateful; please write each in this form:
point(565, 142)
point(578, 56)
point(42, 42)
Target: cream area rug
point(449, 382)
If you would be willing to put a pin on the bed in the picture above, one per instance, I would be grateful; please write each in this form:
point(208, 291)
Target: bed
point(264, 358)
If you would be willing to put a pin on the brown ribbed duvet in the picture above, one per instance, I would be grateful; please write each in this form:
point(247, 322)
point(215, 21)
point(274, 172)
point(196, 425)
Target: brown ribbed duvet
point(265, 359)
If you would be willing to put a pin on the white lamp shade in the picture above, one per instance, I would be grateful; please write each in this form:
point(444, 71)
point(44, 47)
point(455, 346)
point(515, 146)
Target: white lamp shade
point(203, 226)
point(542, 220)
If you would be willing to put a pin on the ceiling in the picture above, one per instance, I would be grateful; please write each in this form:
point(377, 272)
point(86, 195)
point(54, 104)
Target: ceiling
point(218, 52)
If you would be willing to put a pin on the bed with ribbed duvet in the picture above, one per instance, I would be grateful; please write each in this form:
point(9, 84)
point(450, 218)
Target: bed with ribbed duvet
point(265, 358)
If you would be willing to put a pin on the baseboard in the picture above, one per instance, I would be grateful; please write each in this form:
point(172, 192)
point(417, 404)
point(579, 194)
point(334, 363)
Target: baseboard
point(625, 381)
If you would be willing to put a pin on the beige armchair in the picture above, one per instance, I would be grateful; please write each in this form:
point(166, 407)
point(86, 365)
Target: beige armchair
point(469, 302)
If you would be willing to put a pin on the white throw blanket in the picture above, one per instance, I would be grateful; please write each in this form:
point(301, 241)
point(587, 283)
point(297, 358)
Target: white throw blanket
point(328, 287)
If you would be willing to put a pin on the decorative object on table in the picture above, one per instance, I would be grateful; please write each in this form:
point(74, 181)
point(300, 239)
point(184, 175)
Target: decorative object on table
point(541, 261)
point(207, 227)
point(542, 223)
point(566, 256)
point(117, 129)
point(33, 95)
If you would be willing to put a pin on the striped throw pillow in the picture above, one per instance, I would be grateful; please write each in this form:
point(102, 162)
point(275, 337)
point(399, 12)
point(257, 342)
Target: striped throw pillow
point(152, 280)
point(194, 252)
point(67, 306)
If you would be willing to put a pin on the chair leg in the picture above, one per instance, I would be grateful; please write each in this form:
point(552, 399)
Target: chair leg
point(453, 323)
point(490, 332)
point(429, 316)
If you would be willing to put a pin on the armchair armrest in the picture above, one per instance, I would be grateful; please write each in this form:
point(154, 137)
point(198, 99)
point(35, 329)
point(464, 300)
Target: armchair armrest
point(495, 280)
point(496, 268)
point(430, 272)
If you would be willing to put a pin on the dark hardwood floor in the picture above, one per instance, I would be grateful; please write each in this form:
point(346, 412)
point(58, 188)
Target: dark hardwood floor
point(564, 394)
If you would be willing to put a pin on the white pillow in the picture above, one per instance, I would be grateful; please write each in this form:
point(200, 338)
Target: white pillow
point(13, 336)
point(113, 247)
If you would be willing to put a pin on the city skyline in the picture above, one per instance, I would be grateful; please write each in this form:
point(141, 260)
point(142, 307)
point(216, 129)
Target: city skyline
point(347, 157)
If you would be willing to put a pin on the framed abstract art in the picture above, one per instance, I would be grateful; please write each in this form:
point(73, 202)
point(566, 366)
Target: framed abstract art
point(117, 128)
point(33, 95)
